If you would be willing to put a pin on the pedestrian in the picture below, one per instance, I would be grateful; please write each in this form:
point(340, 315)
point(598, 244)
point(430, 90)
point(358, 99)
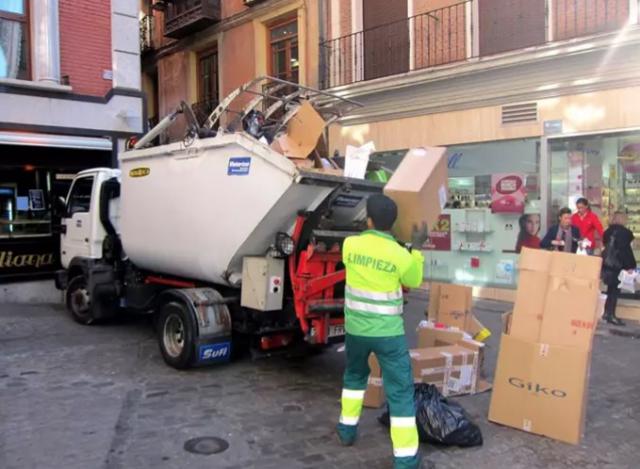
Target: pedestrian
point(529, 230)
point(617, 256)
point(587, 222)
point(562, 236)
point(377, 267)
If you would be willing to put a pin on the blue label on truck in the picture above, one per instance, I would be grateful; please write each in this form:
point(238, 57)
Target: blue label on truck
point(239, 166)
point(214, 352)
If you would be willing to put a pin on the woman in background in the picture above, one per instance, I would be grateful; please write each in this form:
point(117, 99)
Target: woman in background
point(617, 256)
point(529, 230)
point(587, 222)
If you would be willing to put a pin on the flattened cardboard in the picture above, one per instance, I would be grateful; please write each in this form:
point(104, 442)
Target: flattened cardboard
point(419, 188)
point(541, 388)
point(434, 295)
point(303, 132)
point(534, 265)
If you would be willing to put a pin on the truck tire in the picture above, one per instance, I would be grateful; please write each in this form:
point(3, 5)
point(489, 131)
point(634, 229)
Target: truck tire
point(176, 335)
point(78, 301)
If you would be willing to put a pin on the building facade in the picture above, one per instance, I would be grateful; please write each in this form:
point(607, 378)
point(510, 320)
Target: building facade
point(199, 51)
point(535, 99)
point(70, 96)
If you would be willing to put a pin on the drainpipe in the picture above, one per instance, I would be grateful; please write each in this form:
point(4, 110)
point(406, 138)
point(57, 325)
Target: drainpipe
point(46, 41)
point(321, 53)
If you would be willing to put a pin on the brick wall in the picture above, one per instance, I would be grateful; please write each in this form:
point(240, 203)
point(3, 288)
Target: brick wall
point(85, 44)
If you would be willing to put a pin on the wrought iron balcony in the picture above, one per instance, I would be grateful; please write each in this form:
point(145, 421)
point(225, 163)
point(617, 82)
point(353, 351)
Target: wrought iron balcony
point(458, 32)
point(185, 17)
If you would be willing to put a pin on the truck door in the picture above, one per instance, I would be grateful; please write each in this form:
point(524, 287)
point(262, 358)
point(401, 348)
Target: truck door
point(76, 233)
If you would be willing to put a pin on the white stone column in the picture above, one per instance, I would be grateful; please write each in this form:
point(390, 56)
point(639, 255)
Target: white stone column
point(45, 37)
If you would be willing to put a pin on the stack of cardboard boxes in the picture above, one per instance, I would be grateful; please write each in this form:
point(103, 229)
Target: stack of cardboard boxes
point(446, 354)
point(542, 374)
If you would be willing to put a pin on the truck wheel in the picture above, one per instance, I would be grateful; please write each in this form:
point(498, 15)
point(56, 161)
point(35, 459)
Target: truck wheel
point(79, 301)
point(176, 333)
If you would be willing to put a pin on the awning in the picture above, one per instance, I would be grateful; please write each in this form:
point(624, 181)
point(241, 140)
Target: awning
point(50, 140)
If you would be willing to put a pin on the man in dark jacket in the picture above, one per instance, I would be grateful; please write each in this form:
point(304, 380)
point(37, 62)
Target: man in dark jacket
point(562, 236)
point(618, 256)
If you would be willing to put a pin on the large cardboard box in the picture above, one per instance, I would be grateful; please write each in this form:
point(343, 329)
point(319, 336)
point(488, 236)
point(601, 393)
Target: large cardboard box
point(452, 305)
point(419, 188)
point(534, 265)
point(541, 388)
point(572, 300)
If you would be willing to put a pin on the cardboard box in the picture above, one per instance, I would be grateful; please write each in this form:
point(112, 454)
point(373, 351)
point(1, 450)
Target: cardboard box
point(303, 132)
point(374, 395)
point(541, 388)
point(506, 322)
point(572, 300)
point(419, 188)
point(453, 369)
point(534, 266)
point(557, 298)
point(452, 305)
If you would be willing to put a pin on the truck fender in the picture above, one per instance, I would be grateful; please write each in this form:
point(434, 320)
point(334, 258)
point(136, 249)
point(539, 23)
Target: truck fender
point(208, 306)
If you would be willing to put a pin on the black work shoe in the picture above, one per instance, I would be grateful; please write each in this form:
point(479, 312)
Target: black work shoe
point(614, 321)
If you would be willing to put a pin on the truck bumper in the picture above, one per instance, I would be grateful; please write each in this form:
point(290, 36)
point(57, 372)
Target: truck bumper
point(61, 278)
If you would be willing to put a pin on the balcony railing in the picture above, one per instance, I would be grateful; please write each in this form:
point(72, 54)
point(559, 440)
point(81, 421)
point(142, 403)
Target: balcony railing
point(446, 36)
point(434, 38)
point(146, 33)
point(184, 17)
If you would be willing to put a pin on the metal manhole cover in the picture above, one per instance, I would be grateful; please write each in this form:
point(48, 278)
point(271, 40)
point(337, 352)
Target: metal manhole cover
point(206, 445)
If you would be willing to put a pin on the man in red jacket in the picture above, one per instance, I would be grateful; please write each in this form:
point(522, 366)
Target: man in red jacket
point(587, 222)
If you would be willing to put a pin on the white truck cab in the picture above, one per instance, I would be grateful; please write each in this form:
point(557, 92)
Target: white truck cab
point(82, 233)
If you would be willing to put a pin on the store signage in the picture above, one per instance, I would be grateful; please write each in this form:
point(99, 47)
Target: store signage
point(440, 235)
point(32, 255)
point(552, 127)
point(507, 193)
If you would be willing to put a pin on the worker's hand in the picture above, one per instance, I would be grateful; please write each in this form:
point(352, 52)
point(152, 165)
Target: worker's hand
point(419, 236)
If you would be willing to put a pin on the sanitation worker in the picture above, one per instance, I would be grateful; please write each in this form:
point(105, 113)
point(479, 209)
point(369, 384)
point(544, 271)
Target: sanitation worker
point(377, 267)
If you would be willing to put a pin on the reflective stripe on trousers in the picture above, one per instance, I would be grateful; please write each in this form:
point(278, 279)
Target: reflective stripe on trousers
point(404, 436)
point(352, 400)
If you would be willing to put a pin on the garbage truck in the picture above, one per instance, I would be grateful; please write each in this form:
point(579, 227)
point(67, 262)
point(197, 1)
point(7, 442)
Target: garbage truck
point(230, 237)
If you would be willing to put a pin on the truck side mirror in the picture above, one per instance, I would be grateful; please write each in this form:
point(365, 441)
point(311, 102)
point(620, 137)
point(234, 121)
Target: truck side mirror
point(59, 207)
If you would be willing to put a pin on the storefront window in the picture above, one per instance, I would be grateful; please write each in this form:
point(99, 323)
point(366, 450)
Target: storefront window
point(24, 206)
point(492, 212)
point(605, 169)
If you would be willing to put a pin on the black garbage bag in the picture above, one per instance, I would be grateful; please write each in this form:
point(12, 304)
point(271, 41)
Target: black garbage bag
point(440, 421)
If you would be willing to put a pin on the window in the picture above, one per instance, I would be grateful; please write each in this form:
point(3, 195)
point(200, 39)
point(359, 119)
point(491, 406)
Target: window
point(80, 197)
point(283, 40)
point(14, 45)
point(208, 76)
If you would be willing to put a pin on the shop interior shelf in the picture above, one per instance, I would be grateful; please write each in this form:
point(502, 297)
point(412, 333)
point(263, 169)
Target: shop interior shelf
point(474, 231)
point(475, 250)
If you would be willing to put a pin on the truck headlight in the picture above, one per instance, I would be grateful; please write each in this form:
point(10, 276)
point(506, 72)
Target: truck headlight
point(284, 244)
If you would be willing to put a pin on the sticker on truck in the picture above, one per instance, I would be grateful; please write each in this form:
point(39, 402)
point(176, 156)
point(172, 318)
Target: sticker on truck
point(214, 352)
point(239, 166)
point(139, 172)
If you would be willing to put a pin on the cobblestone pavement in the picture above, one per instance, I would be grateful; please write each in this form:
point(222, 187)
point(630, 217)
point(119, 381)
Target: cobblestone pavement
point(101, 397)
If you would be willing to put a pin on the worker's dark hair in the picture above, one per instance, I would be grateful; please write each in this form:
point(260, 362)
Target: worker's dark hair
point(382, 210)
point(582, 201)
point(564, 211)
